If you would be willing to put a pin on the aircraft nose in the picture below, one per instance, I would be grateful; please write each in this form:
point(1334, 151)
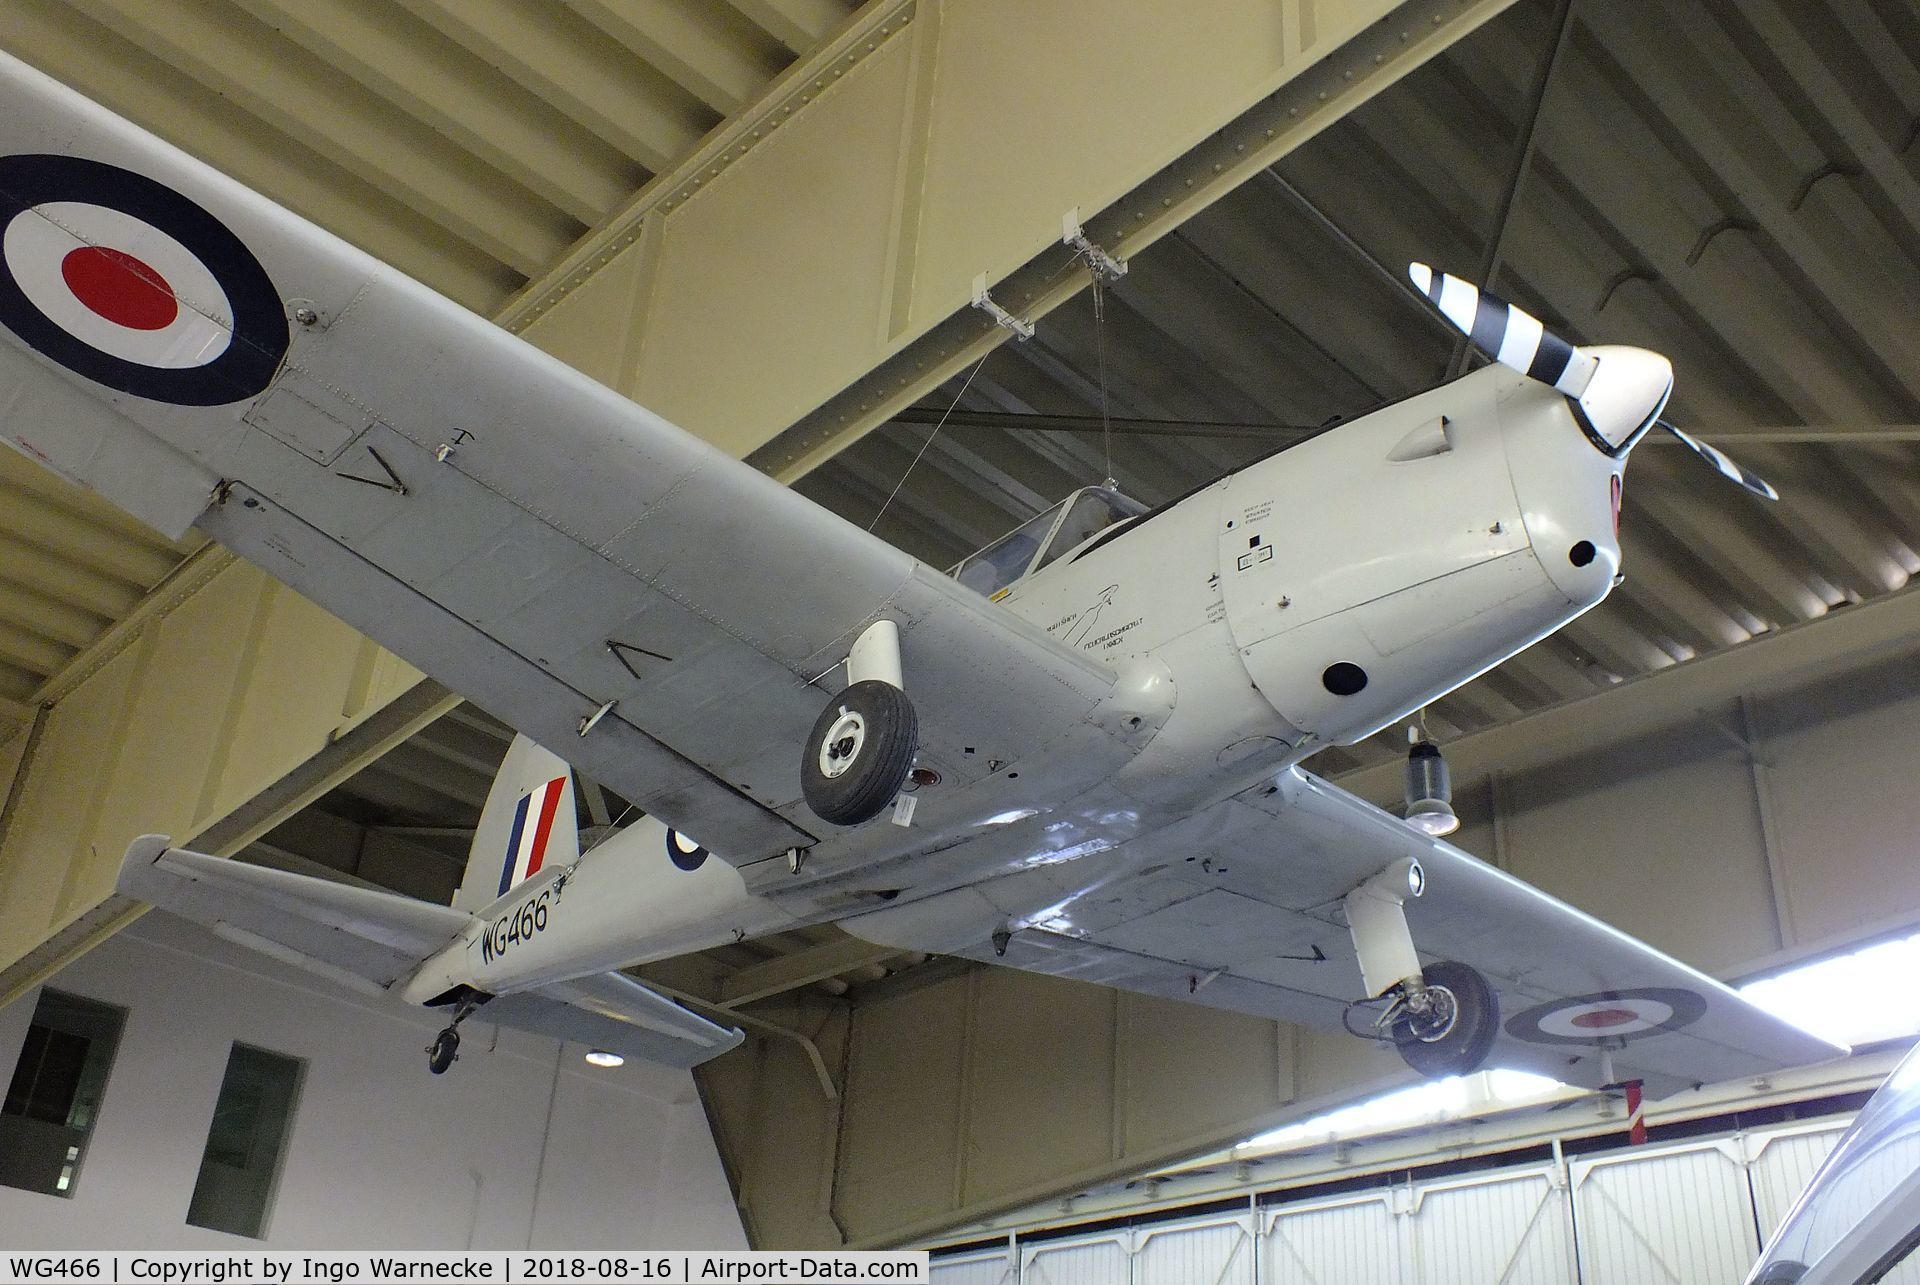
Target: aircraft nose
point(1626, 394)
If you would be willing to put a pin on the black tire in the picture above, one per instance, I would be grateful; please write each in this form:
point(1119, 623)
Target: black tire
point(1468, 1039)
point(446, 1048)
point(873, 765)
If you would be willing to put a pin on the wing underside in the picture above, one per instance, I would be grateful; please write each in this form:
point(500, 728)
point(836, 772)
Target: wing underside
point(1240, 908)
point(547, 548)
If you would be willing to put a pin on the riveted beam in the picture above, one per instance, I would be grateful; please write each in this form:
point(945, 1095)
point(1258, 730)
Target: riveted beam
point(1320, 72)
point(810, 267)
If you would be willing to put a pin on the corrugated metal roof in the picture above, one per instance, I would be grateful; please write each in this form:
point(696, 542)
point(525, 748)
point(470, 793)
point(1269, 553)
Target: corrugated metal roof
point(1731, 183)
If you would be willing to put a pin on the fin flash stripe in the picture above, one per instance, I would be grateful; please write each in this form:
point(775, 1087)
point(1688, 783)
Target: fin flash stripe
point(527, 844)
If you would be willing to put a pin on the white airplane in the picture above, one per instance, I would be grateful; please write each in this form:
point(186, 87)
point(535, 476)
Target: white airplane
point(1859, 1216)
point(1079, 754)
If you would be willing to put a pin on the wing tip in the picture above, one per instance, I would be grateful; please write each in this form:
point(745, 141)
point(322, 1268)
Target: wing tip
point(142, 854)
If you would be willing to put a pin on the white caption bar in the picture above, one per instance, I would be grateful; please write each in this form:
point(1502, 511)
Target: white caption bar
point(677, 1267)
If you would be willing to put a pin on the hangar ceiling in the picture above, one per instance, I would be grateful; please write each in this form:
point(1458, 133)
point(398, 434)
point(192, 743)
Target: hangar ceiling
point(1732, 183)
point(471, 142)
point(1729, 181)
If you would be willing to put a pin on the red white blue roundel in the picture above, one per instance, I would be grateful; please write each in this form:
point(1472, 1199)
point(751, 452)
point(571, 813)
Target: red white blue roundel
point(127, 282)
point(684, 852)
point(1610, 1015)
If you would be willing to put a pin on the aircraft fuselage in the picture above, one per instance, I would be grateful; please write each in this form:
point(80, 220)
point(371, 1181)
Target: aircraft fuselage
point(1308, 599)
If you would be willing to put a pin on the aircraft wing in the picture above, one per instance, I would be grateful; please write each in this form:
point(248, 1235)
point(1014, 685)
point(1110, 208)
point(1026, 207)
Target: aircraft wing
point(368, 940)
point(1240, 908)
point(535, 541)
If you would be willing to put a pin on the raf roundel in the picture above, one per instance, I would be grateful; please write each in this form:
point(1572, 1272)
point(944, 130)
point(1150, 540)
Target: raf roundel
point(684, 852)
point(1610, 1015)
point(126, 282)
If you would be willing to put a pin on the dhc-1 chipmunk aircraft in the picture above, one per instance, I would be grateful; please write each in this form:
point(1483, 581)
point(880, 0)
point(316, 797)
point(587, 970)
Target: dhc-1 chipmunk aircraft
point(1078, 754)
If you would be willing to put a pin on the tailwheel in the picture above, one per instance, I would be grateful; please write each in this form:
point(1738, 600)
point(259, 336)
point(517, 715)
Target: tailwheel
point(1447, 1025)
point(859, 753)
point(444, 1051)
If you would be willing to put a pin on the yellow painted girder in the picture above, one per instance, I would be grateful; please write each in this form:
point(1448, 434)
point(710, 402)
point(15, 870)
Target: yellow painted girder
point(118, 72)
point(314, 105)
point(810, 269)
point(32, 519)
point(449, 90)
point(692, 43)
point(645, 116)
point(227, 683)
point(797, 24)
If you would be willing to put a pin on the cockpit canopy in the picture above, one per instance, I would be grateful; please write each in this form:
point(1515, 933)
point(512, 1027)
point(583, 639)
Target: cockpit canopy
point(1043, 538)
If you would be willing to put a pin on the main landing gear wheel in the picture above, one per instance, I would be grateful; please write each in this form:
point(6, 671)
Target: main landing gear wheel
point(444, 1051)
point(859, 752)
point(1452, 1030)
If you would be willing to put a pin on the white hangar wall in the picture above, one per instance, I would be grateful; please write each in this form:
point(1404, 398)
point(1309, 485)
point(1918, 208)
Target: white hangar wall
point(1693, 1211)
point(520, 1145)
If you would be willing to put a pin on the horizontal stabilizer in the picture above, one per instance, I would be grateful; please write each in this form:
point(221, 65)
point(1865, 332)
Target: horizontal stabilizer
point(613, 1012)
point(368, 939)
point(378, 936)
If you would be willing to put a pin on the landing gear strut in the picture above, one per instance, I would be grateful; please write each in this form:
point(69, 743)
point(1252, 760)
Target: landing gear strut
point(1442, 1018)
point(445, 1049)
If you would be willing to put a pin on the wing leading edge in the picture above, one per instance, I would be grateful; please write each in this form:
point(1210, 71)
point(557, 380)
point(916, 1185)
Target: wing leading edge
point(1240, 908)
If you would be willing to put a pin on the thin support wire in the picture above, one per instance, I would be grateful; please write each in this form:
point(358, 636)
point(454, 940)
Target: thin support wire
point(885, 504)
point(1100, 347)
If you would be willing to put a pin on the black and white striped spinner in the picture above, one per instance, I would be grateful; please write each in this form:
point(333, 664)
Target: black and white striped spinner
point(1513, 338)
point(1728, 467)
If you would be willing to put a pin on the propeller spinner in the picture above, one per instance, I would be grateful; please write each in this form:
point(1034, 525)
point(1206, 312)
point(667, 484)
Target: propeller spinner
point(1617, 393)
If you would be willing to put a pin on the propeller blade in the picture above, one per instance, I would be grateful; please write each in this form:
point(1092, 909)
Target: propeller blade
point(1515, 339)
point(1725, 464)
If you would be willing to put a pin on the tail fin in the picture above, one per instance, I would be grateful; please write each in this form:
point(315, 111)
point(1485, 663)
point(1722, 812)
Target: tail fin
point(527, 825)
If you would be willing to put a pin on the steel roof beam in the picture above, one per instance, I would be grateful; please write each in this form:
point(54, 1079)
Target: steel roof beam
point(689, 41)
point(110, 67)
point(798, 24)
point(760, 285)
point(1874, 332)
point(445, 87)
point(606, 91)
point(353, 130)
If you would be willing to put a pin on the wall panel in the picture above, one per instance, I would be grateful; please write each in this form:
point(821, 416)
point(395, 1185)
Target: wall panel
point(221, 691)
point(520, 1144)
